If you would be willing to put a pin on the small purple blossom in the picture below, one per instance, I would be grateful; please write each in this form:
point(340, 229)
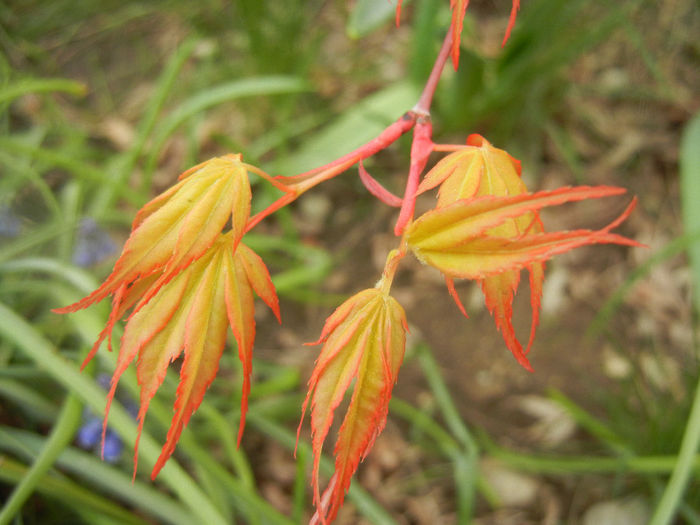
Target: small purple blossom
point(103, 380)
point(113, 446)
point(89, 435)
point(93, 244)
point(9, 223)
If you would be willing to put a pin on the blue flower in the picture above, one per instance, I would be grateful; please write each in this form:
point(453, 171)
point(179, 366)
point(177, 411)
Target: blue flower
point(112, 449)
point(93, 244)
point(9, 223)
point(89, 435)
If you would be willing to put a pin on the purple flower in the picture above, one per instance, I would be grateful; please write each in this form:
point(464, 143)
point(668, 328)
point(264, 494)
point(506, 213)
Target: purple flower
point(9, 223)
point(93, 244)
point(89, 434)
point(113, 446)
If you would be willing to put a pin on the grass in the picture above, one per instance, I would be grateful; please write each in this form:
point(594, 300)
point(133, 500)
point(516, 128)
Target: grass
point(258, 76)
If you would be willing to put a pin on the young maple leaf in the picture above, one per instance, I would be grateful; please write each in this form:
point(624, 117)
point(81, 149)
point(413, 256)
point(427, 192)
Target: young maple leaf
point(191, 313)
point(169, 232)
point(183, 282)
point(364, 340)
point(178, 226)
point(486, 227)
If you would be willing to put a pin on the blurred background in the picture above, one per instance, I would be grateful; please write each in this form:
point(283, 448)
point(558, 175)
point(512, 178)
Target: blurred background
point(103, 104)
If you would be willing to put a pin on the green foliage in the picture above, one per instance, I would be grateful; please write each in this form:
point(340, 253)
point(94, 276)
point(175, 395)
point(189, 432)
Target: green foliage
point(523, 88)
point(690, 188)
point(255, 63)
point(54, 174)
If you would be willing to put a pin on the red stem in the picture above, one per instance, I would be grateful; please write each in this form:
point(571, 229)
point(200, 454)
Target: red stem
point(422, 144)
point(421, 148)
point(287, 198)
point(298, 184)
point(422, 107)
point(382, 141)
point(376, 189)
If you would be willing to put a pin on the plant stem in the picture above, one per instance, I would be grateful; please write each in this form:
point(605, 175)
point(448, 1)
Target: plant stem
point(382, 141)
point(303, 182)
point(392, 263)
point(422, 144)
point(61, 435)
point(422, 107)
point(421, 147)
point(16, 330)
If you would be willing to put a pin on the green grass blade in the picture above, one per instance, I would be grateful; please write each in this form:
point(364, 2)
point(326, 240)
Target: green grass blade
point(247, 87)
point(108, 478)
point(368, 15)
point(419, 419)
point(98, 474)
point(36, 347)
point(590, 424)
point(32, 239)
point(447, 407)
point(78, 168)
point(165, 85)
point(75, 276)
point(105, 197)
point(300, 483)
point(40, 85)
point(671, 499)
point(690, 190)
point(248, 502)
point(30, 176)
point(226, 433)
point(686, 462)
point(464, 463)
point(570, 465)
point(64, 490)
point(62, 433)
point(31, 403)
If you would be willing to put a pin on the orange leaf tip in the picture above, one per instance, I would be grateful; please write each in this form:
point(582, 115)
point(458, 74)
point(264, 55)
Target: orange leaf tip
point(398, 12)
point(511, 20)
point(459, 10)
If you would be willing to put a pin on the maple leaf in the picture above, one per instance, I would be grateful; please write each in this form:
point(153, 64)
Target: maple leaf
point(191, 313)
point(180, 282)
point(364, 340)
point(178, 226)
point(486, 227)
